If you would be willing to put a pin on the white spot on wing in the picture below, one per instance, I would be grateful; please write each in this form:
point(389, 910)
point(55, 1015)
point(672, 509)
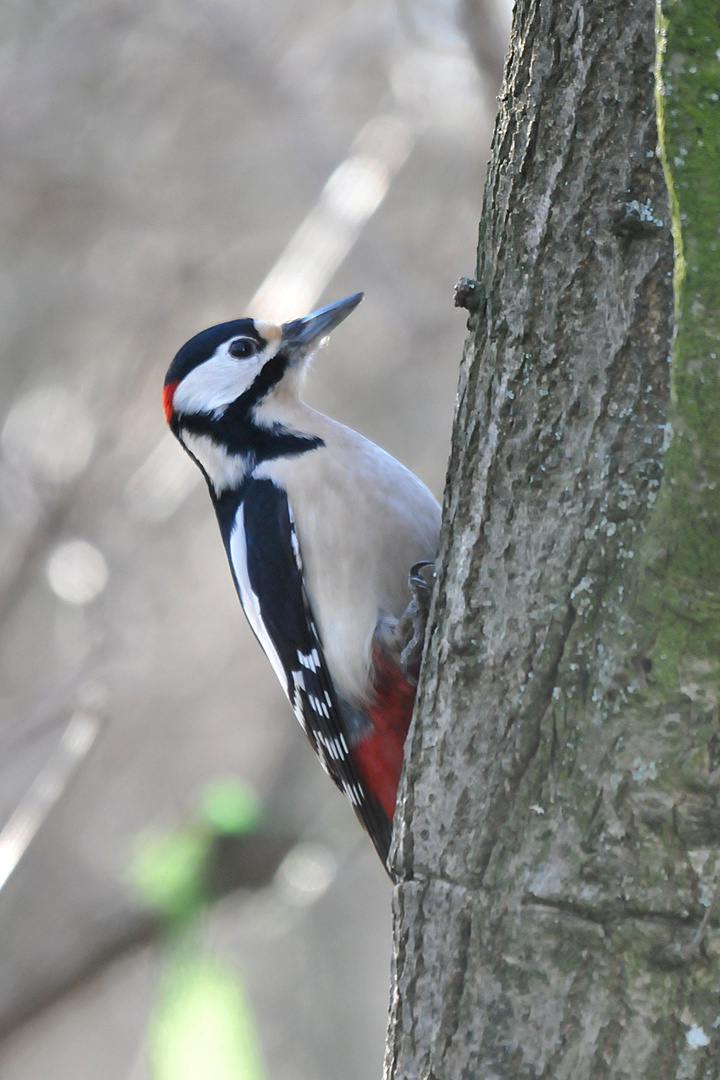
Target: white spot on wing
point(353, 793)
point(334, 747)
point(298, 680)
point(320, 707)
point(310, 660)
point(323, 759)
point(296, 699)
point(295, 545)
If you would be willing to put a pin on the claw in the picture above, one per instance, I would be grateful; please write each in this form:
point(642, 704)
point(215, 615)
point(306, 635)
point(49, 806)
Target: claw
point(410, 630)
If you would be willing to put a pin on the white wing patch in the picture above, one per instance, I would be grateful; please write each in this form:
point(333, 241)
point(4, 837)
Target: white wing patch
point(249, 600)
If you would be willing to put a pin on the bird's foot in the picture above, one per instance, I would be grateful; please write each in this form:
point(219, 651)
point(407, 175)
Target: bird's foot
point(410, 629)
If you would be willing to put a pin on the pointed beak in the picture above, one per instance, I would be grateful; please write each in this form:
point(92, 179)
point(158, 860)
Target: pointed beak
point(305, 331)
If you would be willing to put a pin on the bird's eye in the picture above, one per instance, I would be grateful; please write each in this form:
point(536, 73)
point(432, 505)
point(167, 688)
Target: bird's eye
point(242, 348)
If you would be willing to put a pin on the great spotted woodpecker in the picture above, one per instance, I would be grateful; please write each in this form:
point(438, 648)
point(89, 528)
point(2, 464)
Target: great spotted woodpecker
point(321, 528)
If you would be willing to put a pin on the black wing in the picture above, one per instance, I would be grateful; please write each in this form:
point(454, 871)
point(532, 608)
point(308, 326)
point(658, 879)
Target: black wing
point(264, 553)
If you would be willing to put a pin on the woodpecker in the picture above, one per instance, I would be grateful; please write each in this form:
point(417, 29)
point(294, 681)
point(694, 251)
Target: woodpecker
point(321, 528)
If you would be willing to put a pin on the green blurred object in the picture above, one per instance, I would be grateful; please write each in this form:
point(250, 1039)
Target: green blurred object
point(231, 807)
point(202, 1028)
point(169, 872)
point(171, 869)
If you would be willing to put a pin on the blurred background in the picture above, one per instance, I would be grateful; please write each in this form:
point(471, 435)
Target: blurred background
point(177, 876)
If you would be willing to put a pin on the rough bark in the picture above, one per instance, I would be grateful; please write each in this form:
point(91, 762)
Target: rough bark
point(558, 829)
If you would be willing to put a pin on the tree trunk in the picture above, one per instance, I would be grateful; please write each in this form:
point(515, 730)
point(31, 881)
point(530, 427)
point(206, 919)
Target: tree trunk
point(558, 826)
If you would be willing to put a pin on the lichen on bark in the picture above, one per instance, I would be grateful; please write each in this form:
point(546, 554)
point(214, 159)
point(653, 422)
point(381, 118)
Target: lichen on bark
point(558, 833)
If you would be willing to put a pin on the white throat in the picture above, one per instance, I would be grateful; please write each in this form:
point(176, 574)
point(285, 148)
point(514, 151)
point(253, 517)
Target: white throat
point(223, 469)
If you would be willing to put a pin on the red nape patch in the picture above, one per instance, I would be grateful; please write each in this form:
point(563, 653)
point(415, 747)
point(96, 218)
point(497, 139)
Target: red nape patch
point(379, 756)
point(168, 394)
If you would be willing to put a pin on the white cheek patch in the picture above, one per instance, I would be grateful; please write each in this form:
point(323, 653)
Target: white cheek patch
point(213, 385)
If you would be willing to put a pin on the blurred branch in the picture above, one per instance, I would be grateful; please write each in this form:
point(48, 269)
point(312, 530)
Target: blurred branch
point(232, 863)
point(123, 938)
point(45, 791)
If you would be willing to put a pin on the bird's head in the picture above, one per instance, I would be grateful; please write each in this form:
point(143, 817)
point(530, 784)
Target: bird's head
point(229, 369)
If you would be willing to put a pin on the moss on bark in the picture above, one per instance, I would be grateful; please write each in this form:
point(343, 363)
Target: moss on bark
point(682, 553)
